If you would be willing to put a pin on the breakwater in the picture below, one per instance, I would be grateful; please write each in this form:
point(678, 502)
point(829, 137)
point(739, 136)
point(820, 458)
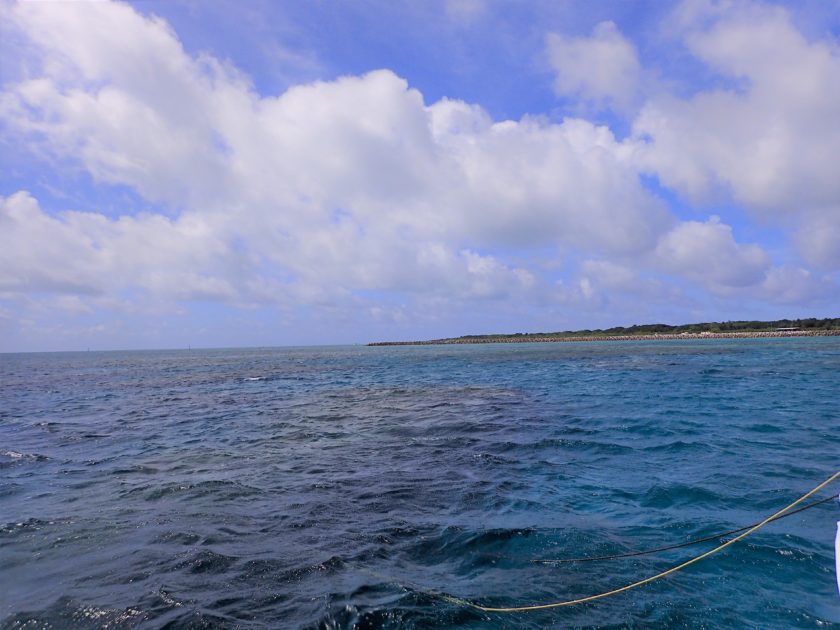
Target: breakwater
point(651, 337)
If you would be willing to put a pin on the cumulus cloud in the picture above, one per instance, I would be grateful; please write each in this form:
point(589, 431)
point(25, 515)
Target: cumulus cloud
point(619, 278)
point(38, 251)
point(795, 285)
point(353, 184)
point(818, 237)
point(87, 253)
point(530, 182)
point(769, 139)
point(708, 252)
point(603, 69)
point(335, 190)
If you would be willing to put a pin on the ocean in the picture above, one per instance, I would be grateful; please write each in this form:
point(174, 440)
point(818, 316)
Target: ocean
point(351, 487)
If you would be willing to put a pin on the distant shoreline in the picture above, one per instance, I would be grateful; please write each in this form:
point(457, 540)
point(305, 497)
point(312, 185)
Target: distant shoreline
point(646, 337)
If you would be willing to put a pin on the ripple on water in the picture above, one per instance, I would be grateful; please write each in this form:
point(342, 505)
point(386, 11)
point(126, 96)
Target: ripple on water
point(15, 458)
point(341, 486)
point(206, 561)
point(30, 525)
point(218, 490)
point(68, 613)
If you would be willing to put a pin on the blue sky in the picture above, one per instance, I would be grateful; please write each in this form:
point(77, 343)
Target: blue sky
point(187, 173)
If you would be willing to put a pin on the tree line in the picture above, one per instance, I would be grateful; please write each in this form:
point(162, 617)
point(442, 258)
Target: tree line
point(810, 323)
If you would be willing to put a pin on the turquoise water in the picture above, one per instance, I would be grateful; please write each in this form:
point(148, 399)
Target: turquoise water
point(335, 487)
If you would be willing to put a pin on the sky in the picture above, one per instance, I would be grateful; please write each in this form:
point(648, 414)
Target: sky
point(185, 173)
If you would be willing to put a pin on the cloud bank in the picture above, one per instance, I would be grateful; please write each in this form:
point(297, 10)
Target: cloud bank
point(356, 193)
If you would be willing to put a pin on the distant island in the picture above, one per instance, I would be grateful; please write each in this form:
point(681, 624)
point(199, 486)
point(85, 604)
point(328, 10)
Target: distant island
point(709, 330)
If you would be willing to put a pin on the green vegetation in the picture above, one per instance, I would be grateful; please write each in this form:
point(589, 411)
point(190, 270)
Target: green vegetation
point(810, 324)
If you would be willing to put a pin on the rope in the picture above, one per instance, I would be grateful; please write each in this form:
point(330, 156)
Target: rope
point(679, 567)
point(688, 543)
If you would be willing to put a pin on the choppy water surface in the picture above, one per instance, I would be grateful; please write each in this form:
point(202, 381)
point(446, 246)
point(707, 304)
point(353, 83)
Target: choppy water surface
point(328, 487)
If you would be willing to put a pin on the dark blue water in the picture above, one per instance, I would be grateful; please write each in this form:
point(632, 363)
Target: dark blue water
point(331, 487)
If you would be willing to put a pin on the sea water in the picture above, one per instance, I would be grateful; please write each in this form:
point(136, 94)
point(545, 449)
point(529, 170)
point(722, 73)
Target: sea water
point(349, 486)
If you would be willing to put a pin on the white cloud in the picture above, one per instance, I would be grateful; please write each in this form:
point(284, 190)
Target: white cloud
point(603, 69)
point(86, 253)
point(37, 251)
point(618, 279)
point(770, 140)
point(335, 190)
point(532, 183)
point(328, 188)
point(708, 253)
point(818, 237)
point(795, 285)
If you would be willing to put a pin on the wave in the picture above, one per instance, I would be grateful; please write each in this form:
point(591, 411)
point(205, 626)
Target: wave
point(70, 613)
point(15, 458)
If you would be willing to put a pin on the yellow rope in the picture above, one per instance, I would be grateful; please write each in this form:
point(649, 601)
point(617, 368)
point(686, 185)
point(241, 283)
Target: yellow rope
point(591, 598)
